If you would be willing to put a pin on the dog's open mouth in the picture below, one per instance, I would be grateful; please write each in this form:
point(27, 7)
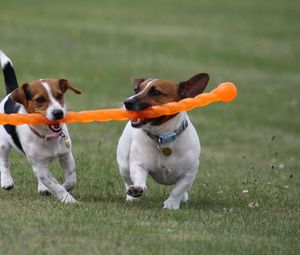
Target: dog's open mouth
point(136, 123)
point(139, 122)
point(55, 127)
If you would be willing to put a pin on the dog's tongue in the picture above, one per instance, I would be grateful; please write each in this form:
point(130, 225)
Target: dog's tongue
point(56, 125)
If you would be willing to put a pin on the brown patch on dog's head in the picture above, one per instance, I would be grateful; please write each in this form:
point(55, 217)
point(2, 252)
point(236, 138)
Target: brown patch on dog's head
point(156, 92)
point(150, 92)
point(32, 96)
point(44, 96)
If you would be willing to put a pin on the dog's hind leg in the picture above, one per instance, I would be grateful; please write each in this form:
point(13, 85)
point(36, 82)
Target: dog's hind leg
point(179, 192)
point(6, 179)
point(185, 197)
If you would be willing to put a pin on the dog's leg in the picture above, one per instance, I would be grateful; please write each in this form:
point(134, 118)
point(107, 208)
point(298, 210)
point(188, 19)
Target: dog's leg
point(6, 179)
point(179, 192)
point(42, 189)
point(48, 180)
point(67, 163)
point(185, 197)
point(129, 198)
point(138, 176)
point(127, 181)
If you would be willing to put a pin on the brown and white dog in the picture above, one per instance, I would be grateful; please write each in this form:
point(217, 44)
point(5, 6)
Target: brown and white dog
point(40, 144)
point(166, 147)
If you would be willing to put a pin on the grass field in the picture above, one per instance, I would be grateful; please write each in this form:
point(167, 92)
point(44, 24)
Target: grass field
point(252, 143)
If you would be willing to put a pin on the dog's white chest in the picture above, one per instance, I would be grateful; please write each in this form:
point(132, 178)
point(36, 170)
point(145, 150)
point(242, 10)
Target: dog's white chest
point(165, 170)
point(42, 150)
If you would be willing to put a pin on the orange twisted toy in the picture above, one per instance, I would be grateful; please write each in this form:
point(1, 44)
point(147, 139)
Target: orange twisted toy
point(225, 92)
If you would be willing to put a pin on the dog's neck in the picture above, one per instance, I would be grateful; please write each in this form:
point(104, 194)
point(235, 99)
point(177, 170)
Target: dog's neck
point(168, 126)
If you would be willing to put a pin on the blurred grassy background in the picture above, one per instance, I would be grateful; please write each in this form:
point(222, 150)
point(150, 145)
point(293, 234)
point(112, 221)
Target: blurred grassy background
point(252, 143)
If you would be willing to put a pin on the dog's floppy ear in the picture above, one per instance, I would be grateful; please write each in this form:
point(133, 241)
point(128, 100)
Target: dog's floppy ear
point(64, 85)
point(194, 86)
point(21, 95)
point(137, 82)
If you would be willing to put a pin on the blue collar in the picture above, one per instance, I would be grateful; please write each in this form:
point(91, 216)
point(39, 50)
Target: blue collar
point(162, 139)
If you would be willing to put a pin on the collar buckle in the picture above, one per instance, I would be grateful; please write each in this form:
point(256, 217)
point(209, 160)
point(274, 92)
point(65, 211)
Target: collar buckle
point(167, 138)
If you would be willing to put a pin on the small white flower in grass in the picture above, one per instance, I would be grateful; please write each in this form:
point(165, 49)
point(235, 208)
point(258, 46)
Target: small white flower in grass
point(220, 191)
point(281, 166)
point(253, 204)
point(245, 191)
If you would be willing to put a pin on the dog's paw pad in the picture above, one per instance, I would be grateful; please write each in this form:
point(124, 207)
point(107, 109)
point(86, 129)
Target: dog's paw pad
point(135, 191)
point(44, 192)
point(8, 187)
point(7, 183)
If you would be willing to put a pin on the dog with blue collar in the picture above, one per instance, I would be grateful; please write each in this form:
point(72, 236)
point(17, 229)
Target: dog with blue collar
point(167, 148)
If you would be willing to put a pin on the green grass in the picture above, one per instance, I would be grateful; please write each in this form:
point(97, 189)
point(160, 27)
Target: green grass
point(252, 143)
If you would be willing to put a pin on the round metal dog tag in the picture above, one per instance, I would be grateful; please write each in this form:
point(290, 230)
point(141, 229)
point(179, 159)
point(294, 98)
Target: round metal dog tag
point(167, 151)
point(67, 143)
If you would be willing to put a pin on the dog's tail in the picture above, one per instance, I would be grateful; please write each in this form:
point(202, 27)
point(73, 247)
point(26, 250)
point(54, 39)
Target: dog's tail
point(10, 78)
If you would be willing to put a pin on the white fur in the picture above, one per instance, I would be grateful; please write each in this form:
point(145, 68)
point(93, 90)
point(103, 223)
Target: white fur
point(4, 59)
point(39, 153)
point(54, 104)
point(138, 156)
point(147, 85)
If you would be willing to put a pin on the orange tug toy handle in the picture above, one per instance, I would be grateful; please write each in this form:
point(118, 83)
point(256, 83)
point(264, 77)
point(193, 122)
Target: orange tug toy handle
point(225, 92)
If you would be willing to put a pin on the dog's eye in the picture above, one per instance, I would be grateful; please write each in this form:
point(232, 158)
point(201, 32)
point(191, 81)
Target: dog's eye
point(154, 92)
point(136, 90)
point(40, 100)
point(59, 96)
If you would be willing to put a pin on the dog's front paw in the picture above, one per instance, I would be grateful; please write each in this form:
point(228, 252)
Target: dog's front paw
point(171, 204)
point(135, 191)
point(7, 182)
point(130, 198)
point(42, 190)
point(185, 197)
point(68, 199)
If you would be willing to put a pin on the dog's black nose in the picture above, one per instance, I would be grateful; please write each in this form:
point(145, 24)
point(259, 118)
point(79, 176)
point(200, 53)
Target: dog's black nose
point(135, 104)
point(129, 104)
point(57, 114)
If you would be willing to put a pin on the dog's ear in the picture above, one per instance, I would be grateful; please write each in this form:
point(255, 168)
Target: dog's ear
point(136, 83)
point(21, 95)
point(64, 85)
point(194, 86)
